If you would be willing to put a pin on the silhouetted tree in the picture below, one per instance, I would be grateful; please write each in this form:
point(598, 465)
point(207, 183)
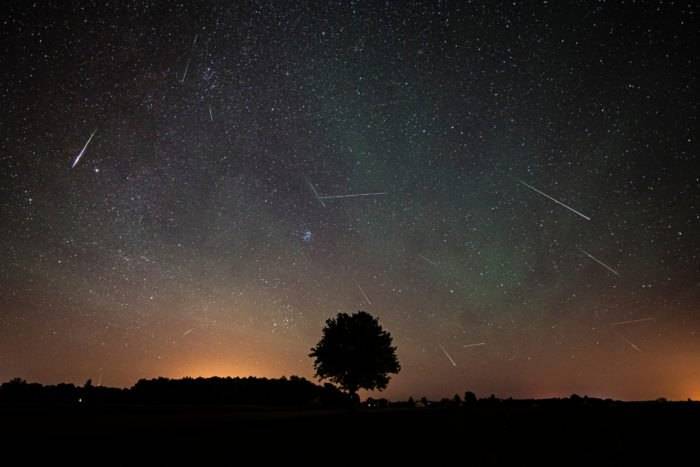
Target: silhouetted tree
point(355, 352)
point(469, 398)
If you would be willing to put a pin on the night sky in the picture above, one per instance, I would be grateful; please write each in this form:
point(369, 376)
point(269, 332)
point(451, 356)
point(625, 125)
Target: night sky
point(530, 222)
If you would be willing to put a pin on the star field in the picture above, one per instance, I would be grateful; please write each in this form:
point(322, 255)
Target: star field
point(511, 187)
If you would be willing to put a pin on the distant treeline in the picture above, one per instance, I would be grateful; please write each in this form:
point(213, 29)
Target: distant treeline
point(471, 401)
point(263, 392)
point(293, 391)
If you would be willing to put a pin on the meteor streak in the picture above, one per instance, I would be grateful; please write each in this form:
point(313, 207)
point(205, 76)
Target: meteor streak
point(353, 195)
point(75, 162)
point(555, 200)
point(599, 262)
point(449, 357)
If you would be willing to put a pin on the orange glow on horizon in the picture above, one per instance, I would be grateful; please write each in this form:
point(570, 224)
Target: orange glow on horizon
point(206, 368)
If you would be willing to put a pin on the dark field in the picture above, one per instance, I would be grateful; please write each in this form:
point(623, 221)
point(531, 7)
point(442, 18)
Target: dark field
point(491, 432)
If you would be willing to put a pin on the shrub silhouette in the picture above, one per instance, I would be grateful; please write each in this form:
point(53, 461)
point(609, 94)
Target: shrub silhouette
point(355, 352)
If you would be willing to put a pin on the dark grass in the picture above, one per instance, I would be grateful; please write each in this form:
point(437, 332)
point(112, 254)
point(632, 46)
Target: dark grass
point(487, 433)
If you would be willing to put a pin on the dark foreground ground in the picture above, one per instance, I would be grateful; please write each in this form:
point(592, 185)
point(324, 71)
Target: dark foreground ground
point(653, 433)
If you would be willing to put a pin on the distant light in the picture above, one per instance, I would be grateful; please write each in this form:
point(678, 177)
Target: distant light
point(307, 236)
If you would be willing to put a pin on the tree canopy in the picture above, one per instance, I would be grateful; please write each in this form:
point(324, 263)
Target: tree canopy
point(355, 352)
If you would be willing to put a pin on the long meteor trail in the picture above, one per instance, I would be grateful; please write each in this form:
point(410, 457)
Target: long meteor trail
point(632, 344)
point(449, 357)
point(353, 195)
point(189, 60)
point(632, 321)
point(75, 162)
point(477, 344)
point(599, 262)
point(369, 302)
point(554, 199)
point(428, 260)
point(187, 67)
point(313, 188)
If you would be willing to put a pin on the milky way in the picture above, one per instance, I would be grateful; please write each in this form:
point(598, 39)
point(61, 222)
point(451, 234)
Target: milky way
point(254, 168)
